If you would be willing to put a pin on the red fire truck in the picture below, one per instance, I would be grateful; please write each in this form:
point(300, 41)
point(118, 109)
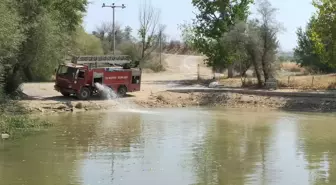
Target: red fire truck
point(79, 77)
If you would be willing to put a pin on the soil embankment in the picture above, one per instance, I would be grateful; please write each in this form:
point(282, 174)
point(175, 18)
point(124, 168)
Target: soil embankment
point(181, 69)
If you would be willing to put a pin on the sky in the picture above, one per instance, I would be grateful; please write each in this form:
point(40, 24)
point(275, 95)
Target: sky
point(291, 14)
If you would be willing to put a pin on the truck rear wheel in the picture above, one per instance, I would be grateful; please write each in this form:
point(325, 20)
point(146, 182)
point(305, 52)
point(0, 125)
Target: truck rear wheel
point(122, 90)
point(84, 94)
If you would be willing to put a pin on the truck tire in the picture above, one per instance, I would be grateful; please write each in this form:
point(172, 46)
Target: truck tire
point(84, 94)
point(122, 90)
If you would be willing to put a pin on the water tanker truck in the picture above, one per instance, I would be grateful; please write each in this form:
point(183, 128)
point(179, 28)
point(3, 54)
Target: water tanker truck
point(80, 76)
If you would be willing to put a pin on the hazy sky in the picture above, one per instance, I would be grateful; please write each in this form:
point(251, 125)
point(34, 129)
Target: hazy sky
point(292, 14)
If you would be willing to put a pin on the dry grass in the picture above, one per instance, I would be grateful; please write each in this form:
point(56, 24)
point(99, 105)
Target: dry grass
point(153, 64)
point(237, 82)
point(316, 82)
point(292, 67)
point(309, 82)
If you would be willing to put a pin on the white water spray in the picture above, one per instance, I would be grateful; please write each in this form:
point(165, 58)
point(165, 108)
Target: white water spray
point(122, 104)
point(106, 91)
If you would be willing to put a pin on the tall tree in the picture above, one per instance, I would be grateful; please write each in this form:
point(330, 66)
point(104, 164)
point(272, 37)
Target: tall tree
point(128, 33)
point(324, 30)
point(269, 29)
point(46, 28)
point(11, 37)
point(149, 28)
point(304, 52)
point(214, 18)
point(86, 44)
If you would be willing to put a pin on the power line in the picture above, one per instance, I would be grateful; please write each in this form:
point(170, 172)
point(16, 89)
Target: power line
point(113, 6)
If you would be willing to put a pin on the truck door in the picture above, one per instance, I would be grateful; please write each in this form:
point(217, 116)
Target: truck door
point(136, 80)
point(81, 76)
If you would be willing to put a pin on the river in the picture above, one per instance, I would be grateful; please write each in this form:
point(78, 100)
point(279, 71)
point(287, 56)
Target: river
point(175, 146)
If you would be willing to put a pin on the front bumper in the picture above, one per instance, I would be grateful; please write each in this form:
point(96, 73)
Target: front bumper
point(66, 90)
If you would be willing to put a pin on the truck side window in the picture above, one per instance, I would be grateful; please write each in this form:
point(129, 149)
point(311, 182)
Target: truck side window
point(135, 79)
point(81, 74)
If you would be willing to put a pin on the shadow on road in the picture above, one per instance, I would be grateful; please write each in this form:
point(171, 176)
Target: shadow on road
point(71, 98)
point(179, 83)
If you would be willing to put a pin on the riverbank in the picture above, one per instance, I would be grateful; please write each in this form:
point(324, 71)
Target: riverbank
point(164, 99)
point(236, 100)
point(15, 122)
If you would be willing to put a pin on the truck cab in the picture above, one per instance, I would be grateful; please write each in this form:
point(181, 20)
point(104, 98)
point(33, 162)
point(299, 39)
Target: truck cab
point(70, 78)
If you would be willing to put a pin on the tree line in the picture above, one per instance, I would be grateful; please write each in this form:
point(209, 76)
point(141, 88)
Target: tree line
point(37, 35)
point(223, 32)
point(226, 34)
point(316, 47)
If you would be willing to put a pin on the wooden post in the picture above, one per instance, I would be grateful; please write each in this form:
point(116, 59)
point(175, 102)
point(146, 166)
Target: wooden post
point(198, 72)
point(312, 84)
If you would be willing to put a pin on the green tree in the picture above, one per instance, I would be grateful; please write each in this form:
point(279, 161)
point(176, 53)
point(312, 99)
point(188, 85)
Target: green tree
point(104, 33)
point(304, 52)
point(269, 28)
point(86, 44)
point(215, 18)
point(324, 31)
point(69, 13)
point(149, 30)
point(316, 45)
point(11, 36)
point(47, 27)
point(253, 44)
point(127, 34)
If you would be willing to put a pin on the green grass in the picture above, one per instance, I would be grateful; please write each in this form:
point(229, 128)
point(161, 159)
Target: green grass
point(18, 125)
point(15, 121)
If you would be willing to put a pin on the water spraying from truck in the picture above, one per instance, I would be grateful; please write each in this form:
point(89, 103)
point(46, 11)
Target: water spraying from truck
point(122, 103)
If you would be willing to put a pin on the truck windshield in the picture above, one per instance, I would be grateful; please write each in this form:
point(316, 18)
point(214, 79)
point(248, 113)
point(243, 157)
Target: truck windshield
point(66, 71)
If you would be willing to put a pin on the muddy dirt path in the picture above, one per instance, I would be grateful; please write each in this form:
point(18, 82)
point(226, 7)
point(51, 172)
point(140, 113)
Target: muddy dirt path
point(179, 68)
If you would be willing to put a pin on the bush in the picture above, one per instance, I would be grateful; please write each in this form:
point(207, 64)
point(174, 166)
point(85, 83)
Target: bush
point(292, 67)
point(155, 66)
point(133, 50)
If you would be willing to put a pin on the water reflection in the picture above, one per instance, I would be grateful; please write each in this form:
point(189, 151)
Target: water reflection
point(234, 148)
point(157, 155)
point(175, 146)
point(38, 159)
point(318, 144)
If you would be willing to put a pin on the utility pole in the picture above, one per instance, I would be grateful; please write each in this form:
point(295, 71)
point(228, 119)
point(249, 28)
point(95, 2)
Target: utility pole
point(113, 6)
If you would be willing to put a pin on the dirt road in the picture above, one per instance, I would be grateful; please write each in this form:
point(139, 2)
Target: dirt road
point(179, 68)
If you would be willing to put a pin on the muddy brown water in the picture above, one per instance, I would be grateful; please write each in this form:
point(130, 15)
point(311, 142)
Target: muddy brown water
point(175, 146)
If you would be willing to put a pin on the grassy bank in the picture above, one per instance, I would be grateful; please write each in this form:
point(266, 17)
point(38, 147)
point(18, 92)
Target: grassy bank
point(15, 122)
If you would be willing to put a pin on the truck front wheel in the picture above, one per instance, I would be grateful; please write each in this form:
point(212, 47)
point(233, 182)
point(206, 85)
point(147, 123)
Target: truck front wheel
point(122, 90)
point(84, 94)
